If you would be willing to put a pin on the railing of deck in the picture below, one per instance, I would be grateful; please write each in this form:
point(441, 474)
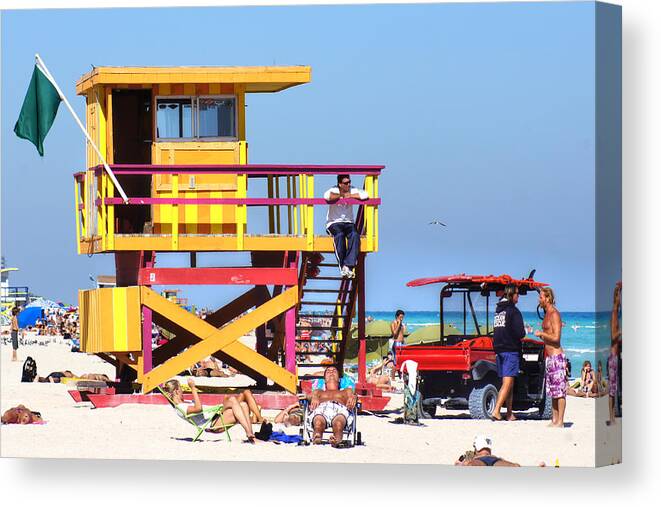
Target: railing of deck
point(292, 196)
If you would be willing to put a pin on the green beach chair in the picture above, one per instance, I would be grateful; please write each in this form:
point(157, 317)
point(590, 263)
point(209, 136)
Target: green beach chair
point(207, 411)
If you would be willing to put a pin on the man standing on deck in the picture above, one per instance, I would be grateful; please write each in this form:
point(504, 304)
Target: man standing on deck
point(340, 223)
point(556, 373)
point(508, 331)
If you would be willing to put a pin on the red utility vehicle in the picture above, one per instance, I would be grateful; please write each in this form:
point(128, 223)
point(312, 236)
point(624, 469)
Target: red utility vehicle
point(458, 371)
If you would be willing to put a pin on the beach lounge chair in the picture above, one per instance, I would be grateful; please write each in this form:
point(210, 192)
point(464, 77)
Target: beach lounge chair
point(351, 436)
point(207, 411)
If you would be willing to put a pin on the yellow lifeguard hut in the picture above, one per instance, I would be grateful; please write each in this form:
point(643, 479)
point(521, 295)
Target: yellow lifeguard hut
point(175, 137)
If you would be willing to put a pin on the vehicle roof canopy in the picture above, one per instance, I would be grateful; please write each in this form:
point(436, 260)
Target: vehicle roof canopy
point(490, 281)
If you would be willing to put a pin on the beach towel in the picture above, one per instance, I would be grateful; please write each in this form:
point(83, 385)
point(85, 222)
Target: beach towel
point(279, 436)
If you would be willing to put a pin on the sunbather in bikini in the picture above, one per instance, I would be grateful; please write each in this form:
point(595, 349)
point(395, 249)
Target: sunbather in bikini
point(209, 367)
point(240, 408)
point(588, 386)
point(378, 375)
point(55, 377)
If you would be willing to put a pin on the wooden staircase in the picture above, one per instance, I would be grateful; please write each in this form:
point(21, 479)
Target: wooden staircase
point(327, 305)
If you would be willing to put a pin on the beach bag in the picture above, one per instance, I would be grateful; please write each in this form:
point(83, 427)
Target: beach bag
point(29, 370)
point(264, 432)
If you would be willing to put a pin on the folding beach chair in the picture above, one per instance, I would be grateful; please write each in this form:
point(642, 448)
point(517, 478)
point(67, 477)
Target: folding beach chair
point(350, 434)
point(209, 412)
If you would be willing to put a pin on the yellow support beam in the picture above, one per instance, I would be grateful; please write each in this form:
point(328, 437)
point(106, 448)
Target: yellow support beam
point(310, 214)
point(102, 224)
point(369, 213)
point(213, 340)
point(295, 208)
point(375, 246)
point(76, 199)
point(175, 213)
point(241, 210)
point(303, 207)
point(110, 190)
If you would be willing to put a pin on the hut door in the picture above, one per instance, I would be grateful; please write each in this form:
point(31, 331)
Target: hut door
point(132, 139)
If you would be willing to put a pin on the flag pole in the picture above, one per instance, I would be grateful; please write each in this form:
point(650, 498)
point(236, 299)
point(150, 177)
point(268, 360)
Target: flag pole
point(42, 66)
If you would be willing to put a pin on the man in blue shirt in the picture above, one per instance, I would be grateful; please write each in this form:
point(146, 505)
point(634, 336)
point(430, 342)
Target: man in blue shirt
point(508, 331)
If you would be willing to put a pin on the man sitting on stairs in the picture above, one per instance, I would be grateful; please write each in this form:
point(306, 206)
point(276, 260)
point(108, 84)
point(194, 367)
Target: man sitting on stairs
point(340, 223)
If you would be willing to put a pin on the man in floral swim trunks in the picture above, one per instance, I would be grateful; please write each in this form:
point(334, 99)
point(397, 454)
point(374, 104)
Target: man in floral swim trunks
point(556, 376)
point(331, 407)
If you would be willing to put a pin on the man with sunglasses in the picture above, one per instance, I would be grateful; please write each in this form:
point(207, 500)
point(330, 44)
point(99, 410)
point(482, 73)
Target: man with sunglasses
point(340, 223)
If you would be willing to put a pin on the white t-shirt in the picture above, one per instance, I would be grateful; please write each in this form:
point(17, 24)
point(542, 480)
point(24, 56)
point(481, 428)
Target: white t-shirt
point(200, 419)
point(340, 211)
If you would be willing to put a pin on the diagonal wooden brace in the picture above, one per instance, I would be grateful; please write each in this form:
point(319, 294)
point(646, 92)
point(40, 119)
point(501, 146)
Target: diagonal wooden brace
point(225, 339)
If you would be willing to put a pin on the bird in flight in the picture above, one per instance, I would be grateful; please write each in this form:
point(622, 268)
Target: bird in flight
point(437, 222)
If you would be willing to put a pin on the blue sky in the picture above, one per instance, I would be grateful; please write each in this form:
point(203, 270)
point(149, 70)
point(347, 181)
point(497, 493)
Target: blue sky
point(482, 113)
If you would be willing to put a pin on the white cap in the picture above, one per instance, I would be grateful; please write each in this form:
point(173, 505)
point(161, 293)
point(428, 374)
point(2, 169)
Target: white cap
point(482, 442)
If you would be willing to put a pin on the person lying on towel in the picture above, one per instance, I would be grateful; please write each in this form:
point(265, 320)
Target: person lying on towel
point(21, 415)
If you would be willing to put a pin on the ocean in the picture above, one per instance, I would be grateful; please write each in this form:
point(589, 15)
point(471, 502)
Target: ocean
point(585, 335)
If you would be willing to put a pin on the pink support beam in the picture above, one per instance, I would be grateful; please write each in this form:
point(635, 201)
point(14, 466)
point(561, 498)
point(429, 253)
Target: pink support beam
point(253, 201)
point(290, 340)
point(290, 328)
point(218, 276)
point(249, 169)
point(362, 349)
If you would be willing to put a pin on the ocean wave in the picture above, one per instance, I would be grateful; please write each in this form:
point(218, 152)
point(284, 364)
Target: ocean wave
point(586, 350)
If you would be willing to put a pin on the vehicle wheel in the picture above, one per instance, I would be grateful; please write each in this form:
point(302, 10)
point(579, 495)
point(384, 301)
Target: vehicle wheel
point(546, 408)
point(427, 411)
point(482, 401)
point(359, 438)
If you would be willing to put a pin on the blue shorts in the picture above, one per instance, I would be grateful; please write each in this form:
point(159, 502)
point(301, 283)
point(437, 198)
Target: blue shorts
point(507, 364)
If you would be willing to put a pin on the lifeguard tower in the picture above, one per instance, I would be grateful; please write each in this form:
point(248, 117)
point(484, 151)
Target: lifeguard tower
point(175, 138)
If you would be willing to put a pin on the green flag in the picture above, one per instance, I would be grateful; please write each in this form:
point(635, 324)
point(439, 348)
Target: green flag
point(38, 111)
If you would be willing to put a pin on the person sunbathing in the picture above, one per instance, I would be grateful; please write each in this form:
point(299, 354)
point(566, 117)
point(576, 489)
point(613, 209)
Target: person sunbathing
point(209, 367)
point(55, 377)
point(331, 407)
point(587, 385)
point(481, 456)
point(236, 409)
point(289, 416)
point(101, 377)
point(21, 415)
point(378, 376)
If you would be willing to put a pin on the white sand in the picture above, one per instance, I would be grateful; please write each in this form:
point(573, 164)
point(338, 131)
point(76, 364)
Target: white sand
point(152, 432)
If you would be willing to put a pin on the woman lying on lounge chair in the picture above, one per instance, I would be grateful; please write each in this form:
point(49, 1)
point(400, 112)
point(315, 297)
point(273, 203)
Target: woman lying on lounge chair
point(237, 408)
